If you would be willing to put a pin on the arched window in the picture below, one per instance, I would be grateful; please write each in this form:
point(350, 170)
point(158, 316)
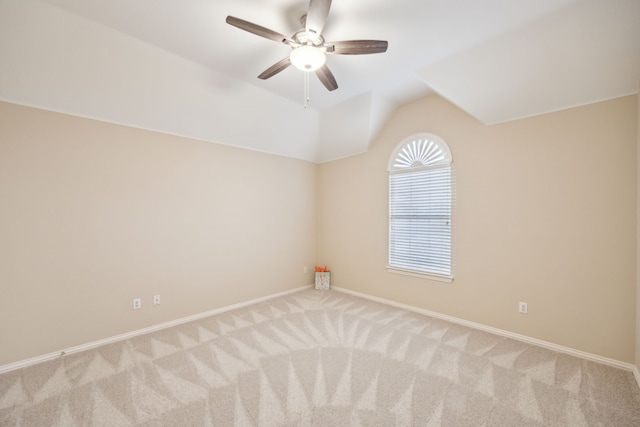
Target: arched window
point(420, 199)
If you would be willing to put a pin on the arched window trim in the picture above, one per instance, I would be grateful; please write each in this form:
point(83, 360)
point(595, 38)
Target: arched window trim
point(427, 148)
point(415, 154)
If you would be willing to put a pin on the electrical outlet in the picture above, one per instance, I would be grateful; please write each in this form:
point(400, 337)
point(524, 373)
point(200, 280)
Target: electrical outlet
point(137, 303)
point(522, 307)
point(156, 299)
point(305, 270)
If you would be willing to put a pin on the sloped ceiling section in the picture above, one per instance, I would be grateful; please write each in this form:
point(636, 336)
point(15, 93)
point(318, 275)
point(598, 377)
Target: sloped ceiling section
point(55, 60)
point(366, 115)
point(583, 53)
point(177, 67)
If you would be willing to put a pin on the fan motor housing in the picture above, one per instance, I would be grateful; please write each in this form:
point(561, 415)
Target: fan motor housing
point(307, 38)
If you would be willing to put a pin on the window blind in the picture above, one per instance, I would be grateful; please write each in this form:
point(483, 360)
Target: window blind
point(420, 220)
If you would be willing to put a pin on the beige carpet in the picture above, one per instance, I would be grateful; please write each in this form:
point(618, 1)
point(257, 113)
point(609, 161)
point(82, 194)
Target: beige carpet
point(320, 358)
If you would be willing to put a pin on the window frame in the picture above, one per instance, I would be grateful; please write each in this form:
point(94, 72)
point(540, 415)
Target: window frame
point(415, 154)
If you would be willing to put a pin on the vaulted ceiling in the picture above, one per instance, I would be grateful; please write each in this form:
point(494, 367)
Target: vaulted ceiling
point(175, 66)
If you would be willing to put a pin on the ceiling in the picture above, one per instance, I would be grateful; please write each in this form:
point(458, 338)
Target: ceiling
point(175, 66)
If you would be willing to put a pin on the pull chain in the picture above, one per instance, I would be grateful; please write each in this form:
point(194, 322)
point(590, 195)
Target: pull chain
point(306, 88)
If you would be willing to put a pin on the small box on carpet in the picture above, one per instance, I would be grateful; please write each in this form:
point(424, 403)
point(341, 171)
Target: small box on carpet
point(323, 278)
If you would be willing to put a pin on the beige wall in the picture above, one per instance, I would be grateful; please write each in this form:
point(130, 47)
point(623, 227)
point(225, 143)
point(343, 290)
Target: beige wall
point(94, 214)
point(545, 213)
point(637, 335)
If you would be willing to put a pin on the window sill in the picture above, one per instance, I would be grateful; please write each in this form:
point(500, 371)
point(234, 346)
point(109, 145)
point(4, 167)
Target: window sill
point(430, 276)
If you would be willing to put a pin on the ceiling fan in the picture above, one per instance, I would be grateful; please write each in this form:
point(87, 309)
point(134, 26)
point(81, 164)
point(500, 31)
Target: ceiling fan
point(308, 46)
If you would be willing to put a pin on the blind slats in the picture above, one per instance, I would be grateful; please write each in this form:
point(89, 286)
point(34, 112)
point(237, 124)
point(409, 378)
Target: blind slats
point(420, 220)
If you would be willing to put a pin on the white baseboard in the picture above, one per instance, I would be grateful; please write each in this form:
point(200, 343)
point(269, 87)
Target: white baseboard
point(523, 338)
point(154, 328)
point(474, 325)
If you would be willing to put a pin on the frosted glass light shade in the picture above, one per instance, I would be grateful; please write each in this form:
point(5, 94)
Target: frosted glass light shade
point(307, 58)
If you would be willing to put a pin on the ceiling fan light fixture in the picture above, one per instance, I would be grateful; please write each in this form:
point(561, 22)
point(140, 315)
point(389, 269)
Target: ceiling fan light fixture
point(308, 48)
point(307, 58)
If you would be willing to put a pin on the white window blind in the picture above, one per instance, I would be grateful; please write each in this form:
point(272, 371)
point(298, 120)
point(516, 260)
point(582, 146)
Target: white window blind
point(420, 199)
point(420, 221)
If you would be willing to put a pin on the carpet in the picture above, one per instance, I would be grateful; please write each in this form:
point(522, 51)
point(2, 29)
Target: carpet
point(319, 358)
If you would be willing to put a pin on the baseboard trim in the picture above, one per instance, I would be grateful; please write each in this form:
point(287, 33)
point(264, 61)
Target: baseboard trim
point(88, 346)
point(154, 328)
point(502, 332)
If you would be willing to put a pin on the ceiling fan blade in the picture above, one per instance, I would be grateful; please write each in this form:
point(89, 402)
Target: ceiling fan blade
point(275, 69)
point(317, 15)
point(326, 77)
point(357, 47)
point(258, 30)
